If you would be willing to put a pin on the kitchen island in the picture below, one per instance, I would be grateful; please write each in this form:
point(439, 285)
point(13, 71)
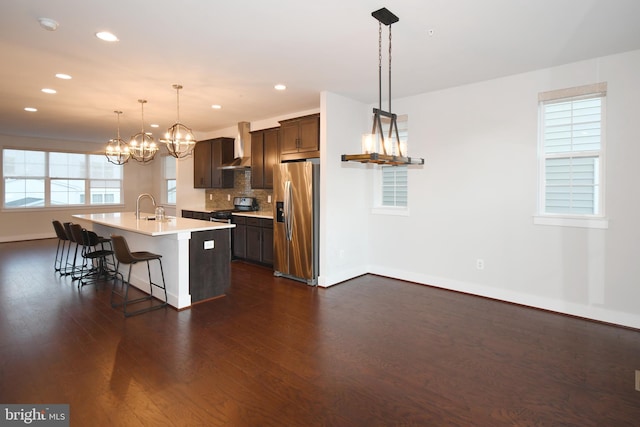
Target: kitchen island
point(195, 254)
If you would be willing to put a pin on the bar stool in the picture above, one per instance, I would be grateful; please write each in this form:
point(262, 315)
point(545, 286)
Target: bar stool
point(63, 242)
point(95, 258)
point(125, 256)
point(71, 268)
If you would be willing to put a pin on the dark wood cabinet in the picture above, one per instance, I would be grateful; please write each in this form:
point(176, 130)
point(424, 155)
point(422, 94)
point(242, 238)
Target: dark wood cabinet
point(264, 154)
point(202, 165)
point(253, 239)
point(209, 268)
point(300, 138)
point(239, 237)
point(267, 241)
point(208, 156)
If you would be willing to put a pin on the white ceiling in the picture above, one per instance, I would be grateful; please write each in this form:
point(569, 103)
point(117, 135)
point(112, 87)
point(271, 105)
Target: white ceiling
point(233, 52)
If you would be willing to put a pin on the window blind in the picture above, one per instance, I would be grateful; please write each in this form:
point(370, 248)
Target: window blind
point(572, 150)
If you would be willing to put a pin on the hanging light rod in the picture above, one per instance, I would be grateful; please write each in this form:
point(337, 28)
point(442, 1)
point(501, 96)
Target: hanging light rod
point(376, 137)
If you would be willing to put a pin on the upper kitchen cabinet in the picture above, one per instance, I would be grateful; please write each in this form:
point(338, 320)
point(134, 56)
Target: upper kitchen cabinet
point(208, 156)
point(264, 155)
point(300, 138)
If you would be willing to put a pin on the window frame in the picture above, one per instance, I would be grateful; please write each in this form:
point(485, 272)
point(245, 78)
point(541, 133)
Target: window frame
point(167, 177)
point(379, 206)
point(88, 180)
point(596, 220)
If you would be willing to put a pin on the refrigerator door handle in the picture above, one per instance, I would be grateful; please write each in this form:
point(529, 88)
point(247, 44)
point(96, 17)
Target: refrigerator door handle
point(288, 210)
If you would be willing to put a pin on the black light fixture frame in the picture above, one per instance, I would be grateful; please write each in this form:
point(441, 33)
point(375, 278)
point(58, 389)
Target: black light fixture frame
point(384, 17)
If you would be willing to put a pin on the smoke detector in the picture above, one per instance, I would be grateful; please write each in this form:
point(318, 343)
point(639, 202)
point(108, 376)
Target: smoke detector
point(48, 24)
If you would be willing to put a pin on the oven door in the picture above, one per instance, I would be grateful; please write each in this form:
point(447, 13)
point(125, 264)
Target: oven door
point(226, 221)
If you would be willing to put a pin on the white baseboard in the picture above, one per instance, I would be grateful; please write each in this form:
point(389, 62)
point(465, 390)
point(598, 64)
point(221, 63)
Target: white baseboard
point(579, 310)
point(5, 239)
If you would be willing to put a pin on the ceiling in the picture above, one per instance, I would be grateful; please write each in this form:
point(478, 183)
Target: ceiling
point(232, 53)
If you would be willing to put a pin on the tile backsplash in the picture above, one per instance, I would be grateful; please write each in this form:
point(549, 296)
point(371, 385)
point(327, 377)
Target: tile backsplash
point(241, 187)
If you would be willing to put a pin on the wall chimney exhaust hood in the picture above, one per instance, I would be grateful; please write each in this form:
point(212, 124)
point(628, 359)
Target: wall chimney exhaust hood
point(241, 148)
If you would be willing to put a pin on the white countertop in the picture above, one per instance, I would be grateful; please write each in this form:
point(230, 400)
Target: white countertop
point(256, 214)
point(172, 225)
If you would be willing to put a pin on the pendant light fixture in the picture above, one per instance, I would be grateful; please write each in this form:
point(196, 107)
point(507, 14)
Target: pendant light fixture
point(117, 150)
point(179, 138)
point(375, 148)
point(142, 146)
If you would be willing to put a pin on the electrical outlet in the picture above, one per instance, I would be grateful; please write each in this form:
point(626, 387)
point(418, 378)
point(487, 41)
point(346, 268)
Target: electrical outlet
point(637, 380)
point(209, 244)
point(480, 264)
point(210, 196)
point(228, 197)
point(269, 198)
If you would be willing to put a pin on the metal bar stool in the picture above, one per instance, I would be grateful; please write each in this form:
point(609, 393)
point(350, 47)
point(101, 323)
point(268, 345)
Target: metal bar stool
point(63, 242)
point(125, 256)
point(70, 267)
point(96, 265)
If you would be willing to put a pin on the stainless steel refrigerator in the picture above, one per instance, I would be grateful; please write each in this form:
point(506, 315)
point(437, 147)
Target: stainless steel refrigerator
point(296, 221)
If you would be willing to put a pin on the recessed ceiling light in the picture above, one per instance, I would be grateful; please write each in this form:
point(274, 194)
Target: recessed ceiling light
point(63, 76)
point(30, 109)
point(48, 24)
point(107, 36)
point(154, 125)
point(279, 86)
point(216, 106)
point(47, 90)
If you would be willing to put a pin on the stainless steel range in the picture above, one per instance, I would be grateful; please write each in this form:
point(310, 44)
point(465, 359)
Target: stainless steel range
point(240, 204)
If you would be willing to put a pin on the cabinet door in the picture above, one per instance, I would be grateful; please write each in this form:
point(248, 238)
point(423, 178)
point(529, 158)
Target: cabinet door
point(239, 238)
point(309, 137)
point(202, 165)
point(289, 137)
point(258, 160)
point(221, 152)
point(271, 155)
point(254, 243)
point(267, 245)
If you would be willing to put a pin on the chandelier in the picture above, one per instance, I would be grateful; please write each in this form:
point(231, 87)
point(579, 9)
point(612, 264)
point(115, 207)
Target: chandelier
point(375, 148)
point(142, 146)
point(179, 138)
point(117, 150)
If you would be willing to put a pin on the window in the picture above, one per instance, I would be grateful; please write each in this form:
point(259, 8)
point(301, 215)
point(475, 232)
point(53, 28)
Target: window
point(36, 179)
point(169, 173)
point(571, 152)
point(393, 185)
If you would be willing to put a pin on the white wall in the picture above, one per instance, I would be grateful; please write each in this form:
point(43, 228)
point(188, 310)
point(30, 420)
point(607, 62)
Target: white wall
point(344, 192)
point(476, 195)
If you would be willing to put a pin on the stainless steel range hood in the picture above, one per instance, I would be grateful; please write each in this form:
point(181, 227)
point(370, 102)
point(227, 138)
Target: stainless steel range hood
point(241, 148)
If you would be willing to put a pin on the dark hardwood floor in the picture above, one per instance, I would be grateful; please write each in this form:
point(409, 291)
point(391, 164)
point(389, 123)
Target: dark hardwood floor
point(273, 352)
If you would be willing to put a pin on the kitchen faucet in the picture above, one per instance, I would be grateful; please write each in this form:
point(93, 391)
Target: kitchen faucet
point(142, 196)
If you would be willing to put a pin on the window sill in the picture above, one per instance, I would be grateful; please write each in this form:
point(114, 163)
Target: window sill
point(390, 211)
point(597, 223)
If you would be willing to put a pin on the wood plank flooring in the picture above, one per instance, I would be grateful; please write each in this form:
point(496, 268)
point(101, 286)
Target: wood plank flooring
point(273, 352)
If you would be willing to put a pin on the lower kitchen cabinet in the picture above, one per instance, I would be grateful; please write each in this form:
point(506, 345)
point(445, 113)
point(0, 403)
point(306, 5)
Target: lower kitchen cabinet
point(253, 239)
point(209, 268)
point(239, 236)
